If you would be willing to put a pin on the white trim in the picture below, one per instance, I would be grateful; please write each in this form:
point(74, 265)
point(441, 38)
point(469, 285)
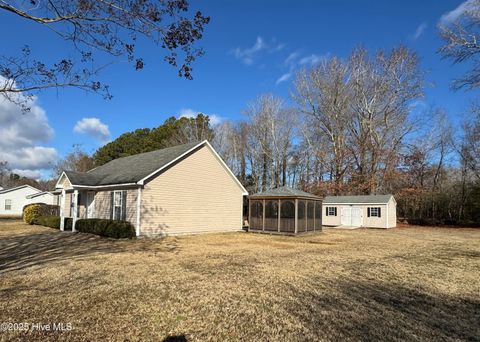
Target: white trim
point(205, 142)
point(139, 201)
point(115, 206)
point(59, 186)
point(352, 204)
point(102, 186)
point(74, 209)
point(386, 209)
point(62, 211)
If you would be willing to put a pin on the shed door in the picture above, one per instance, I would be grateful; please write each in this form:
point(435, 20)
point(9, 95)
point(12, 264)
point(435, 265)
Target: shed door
point(351, 216)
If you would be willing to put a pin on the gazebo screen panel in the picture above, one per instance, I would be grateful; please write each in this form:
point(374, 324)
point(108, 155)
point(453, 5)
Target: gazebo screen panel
point(287, 216)
point(310, 215)
point(302, 216)
point(318, 215)
point(256, 215)
point(271, 215)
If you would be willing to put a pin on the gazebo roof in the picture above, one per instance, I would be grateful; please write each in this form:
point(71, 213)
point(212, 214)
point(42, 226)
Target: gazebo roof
point(284, 191)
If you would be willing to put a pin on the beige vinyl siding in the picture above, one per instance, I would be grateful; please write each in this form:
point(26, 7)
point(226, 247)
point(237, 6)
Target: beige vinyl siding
point(331, 220)
point(373, 221)
point(103, 206)
point(67, 209)
point(195, 195)
point(66, 183)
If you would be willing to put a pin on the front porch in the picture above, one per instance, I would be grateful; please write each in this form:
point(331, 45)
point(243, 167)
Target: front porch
point(76, 204)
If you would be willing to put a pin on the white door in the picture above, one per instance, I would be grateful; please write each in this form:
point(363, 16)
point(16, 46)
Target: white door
point(351, 216)
point(346, 218)
point(90, 204)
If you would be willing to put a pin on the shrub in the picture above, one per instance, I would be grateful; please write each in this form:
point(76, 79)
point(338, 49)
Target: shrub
point(108, 228)
point(31, 212)
point(49, 221)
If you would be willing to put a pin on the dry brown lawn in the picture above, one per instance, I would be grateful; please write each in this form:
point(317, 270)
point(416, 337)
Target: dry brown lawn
point(401, 284)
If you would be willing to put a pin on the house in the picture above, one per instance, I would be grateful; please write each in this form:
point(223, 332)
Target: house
point(13, 200)
point(374, 211)
point(177, 190)
point(285, 210)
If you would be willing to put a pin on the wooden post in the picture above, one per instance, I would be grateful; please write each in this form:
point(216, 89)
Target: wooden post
point(296, 216)
point(314, 214)
point(139, 208)
point(75, 209)
point(263, 223)
point(249, 214)
point(279, 215)
point(62, 211)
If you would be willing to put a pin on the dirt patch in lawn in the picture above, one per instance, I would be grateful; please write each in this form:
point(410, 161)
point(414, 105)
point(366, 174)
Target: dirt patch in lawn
point(400, 284)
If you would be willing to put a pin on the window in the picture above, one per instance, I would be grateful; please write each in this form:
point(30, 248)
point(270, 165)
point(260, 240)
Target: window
point(117, 205)
point(8, 204)
point(331, 211)
point(374, 212)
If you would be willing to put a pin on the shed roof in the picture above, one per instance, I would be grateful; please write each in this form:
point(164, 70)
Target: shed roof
point(284, 191)
point(129, 169)
point(364, 199)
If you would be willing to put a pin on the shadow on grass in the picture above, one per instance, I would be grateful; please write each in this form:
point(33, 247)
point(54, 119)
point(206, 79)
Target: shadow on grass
point(176, 338)
point(362, 310)
point(21, 251)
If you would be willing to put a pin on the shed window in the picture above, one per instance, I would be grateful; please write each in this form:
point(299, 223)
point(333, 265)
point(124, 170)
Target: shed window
point(8, 204)
point(374, 212)
point(331, 211)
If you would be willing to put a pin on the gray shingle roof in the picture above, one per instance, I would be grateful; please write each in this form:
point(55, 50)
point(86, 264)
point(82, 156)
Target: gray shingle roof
point(129, 169)
point(284, 191)
point(357, 199)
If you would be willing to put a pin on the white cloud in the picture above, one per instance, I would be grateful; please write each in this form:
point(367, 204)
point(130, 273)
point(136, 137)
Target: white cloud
point(419, 31)
point(452, 16)
point(283, 78)
point(249, 54)
point(20, 136)
point(311, 60)
point(94, 128)
point(28, 173)
point(292, 58)
point(190, 113)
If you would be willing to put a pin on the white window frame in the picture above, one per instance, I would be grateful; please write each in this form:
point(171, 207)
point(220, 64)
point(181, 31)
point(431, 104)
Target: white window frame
point(8, 204)
point(374, 211)
point(115, 205)
point(330, 211)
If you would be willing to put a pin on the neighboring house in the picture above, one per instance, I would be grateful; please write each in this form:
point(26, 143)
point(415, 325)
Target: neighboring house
point(176, 190)
point(13, 200)
point(375, 211)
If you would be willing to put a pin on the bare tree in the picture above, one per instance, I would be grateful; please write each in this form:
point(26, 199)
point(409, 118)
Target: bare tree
point(462, 43)
point(76, 160)
point(323, 96)
point(383, 86)
point(99, 27)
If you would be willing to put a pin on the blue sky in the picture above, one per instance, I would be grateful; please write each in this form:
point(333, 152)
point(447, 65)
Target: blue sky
point(251, 47)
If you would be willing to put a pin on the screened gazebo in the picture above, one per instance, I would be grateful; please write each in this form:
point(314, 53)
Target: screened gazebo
point(285, 210)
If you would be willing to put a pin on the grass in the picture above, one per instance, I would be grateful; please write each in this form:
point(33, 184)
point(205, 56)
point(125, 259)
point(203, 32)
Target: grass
point(402, 284)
